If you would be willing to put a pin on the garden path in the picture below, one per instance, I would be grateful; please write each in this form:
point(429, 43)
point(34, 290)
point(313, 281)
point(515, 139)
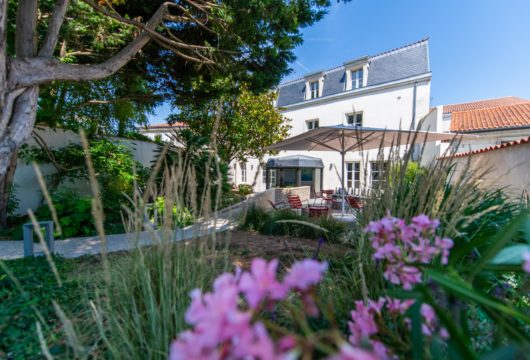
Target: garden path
point(76, 247)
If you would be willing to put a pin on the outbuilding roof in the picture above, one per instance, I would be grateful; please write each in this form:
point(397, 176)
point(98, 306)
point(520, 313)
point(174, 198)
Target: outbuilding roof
point(483, 104)
point(490, 148)
point(492, 118)
point(295, 161)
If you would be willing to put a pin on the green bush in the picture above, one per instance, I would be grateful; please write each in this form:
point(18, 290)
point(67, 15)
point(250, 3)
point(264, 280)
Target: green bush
point(269, 223)
point(244, 189)
point(181, 218)
point(73, 211)
point(116, 172)
point(255, 218)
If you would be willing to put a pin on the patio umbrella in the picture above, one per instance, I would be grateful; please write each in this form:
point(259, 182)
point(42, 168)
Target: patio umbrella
point(345, 138)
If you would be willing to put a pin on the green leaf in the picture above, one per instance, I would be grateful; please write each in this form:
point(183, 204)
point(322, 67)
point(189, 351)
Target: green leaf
point(459, 287)
point(300, 222)
point(512, 255)
point(503, 353)
point(416, 333)
point(499, 241)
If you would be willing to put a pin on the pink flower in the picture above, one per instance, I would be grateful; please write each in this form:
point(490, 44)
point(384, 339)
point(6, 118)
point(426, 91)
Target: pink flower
point(287, 343)
point(376, 306)
point(424, 223)
point(526, 261)
point(399, 246)
point(445, 245)
point(348, 352)
point(397, 306)
point(429, 318)
point(363, 323)
point(185, 347)
point(305, 274)
point(261, 283)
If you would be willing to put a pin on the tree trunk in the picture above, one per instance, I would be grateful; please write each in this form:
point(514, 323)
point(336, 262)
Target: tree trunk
point(19, 114)
point(5, 185)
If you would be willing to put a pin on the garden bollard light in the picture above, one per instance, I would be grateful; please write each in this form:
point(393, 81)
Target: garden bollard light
point(27, 232)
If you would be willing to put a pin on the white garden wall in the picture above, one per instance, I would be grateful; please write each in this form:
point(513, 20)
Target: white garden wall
point(28, 190)
point(509, 168)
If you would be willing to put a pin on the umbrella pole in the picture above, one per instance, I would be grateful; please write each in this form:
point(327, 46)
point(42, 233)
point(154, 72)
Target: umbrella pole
point(342, 181)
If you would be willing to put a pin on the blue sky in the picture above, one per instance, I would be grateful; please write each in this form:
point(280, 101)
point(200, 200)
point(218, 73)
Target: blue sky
point(478, 49)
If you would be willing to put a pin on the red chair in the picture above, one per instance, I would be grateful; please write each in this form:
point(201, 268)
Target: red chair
point(296, 204)
point(355, 203)
point(277, 206)
point(327, 197)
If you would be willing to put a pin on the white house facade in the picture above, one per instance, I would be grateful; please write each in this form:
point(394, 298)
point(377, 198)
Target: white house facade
point(390, 90)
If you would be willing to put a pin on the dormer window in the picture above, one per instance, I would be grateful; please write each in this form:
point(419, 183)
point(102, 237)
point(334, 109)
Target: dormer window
point(356, 73)
point(314, 87)
point(314, 83)
point(357, 79)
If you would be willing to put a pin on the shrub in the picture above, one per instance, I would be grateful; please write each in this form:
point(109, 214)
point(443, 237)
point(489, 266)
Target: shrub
point(244, 189)
point(181, 218)
point(255, 218)
point(73, 211)
point(270, 223)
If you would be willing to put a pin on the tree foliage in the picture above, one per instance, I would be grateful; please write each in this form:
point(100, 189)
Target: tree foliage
point(240, 125)
point(116, 105)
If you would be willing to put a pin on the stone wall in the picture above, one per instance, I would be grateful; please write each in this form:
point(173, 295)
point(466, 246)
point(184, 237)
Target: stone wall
point(277, 195)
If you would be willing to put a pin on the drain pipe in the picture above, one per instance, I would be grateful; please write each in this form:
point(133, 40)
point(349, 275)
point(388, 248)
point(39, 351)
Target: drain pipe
point(413, 123)
point(414, 94)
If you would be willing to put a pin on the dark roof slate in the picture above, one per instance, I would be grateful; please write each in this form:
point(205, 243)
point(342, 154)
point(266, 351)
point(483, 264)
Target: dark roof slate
point(405, 62)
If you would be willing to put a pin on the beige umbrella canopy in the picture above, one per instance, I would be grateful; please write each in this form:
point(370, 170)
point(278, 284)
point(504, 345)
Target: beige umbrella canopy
point(345, 138)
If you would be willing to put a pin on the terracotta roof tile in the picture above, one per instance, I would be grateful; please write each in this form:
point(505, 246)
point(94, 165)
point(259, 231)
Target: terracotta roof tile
point(507, 116)
point(490, 148)
point(167, 126)
point(483, 104)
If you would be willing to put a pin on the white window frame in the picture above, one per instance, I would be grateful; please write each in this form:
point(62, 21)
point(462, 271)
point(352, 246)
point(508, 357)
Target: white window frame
point(353, 175)
point(357, 81)
point(243, 167)
point(311, 124)
point(355, 114)
point(272, 177)
point(314, 89)
point(381, 168)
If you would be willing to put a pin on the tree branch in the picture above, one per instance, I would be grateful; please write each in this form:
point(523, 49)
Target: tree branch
point(141, 26)
point(3, 52)
point(25, 41)
point(54, 27)
point(38, 70)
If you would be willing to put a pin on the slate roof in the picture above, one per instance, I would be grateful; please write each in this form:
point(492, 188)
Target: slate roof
point(491, 118)
point(398, 64)
point(483, 104)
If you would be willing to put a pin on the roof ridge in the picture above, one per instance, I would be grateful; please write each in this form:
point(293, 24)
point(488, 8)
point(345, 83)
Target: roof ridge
point(493, 106)
point(401, 48)
point(483, 100)
point(385, 53)
point(524, 140)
